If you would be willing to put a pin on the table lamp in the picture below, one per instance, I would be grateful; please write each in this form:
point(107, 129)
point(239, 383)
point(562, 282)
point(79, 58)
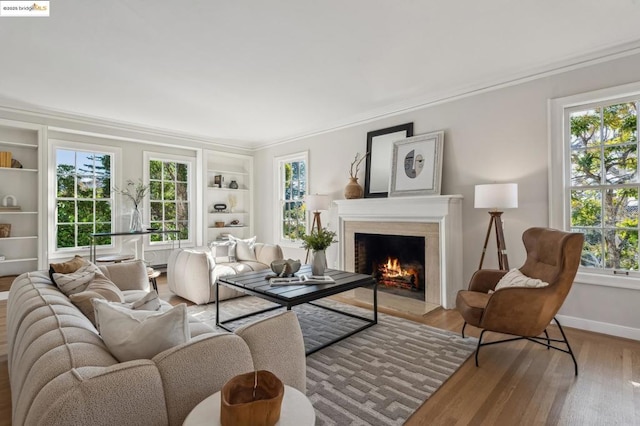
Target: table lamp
point(496, 197)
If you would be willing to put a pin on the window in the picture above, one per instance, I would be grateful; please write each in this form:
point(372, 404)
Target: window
point(169, 196)
point(292, 187)
point(600, 186)
point(83, 199)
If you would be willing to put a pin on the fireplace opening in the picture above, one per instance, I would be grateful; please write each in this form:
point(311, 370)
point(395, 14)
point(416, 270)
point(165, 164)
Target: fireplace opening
point(396, 261)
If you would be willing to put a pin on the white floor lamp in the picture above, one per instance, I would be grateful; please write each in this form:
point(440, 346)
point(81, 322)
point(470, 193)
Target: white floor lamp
point(315, 203)
point(496, 197)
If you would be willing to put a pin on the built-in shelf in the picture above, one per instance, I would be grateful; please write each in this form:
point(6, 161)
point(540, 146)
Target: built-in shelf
point(15, 169)
point(26, 259)
point(18, 144)
point(227, 172)
point(9, 212)
point(213, 188)
point(29, 237)
point(227, 227)
point(228, 213)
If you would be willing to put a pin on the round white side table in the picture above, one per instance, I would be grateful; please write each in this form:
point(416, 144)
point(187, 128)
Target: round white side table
point(296, 410)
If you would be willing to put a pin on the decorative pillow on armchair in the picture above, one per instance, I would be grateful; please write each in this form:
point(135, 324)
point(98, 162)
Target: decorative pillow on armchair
point(244, 248)
point(515, 278)
point(223, 251)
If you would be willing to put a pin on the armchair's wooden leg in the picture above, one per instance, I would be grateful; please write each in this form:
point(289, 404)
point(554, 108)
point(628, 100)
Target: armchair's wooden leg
point(548, 341)
point(463, 327)
point(575, 363)
point(479, 344)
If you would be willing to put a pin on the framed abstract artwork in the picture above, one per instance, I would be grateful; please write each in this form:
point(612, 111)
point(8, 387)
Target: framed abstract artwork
point(417, 165)
point(378, 166)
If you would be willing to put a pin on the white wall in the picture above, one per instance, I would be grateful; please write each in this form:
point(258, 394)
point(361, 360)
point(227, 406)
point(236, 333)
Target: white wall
point(496, 136)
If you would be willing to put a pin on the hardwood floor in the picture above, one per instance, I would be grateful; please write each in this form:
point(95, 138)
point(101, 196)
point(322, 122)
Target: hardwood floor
point(517, 383)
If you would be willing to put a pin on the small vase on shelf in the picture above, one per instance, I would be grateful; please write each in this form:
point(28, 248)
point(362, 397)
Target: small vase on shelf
point(135, 225)
point(318, 263)
point(353, 189)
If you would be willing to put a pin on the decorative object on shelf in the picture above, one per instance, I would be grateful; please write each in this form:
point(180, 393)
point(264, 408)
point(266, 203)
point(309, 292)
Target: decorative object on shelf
point(234, 222)
point(135, 192)
point(285, 268)
point(315, 203)
point(9, 201)
point(219, 224)
point(217, 181)
point(2, 257)
point(380, 147)
point(219, 207)
point(253, 398)
point(5, 230)
point(417, 165)
point(318, 240)
point(495, 197)
point(5, 158)
point(233, 184)
point(353, 189)
point(233, 202)
point(15, 164)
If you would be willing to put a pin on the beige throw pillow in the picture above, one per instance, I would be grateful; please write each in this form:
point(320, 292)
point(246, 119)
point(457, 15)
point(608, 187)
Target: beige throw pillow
point(74, 282)
point(515, 278)
point(223, 251)
point(100, 287)
point(244, 248)
point(134, 334)
point(69, 266)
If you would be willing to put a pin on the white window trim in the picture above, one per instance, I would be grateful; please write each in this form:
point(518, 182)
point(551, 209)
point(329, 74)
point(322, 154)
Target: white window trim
point(277, 167)
point(191, 179)
point(116, 154)
point(559, 173)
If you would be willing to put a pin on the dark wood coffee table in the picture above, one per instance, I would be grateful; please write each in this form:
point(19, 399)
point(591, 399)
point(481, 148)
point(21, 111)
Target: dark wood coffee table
point(256, 284)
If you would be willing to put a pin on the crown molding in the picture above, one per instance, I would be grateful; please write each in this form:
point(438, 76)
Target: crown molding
point(100, 127)
point(596, 57)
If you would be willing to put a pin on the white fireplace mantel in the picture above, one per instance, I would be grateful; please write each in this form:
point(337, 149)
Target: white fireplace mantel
point(445, 210)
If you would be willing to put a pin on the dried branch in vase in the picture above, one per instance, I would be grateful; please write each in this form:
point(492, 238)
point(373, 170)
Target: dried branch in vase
point(355, 164)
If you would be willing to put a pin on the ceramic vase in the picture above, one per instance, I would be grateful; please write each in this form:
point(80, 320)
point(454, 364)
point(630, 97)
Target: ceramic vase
point(353, 189)
point(318, 263)
point(135, 225)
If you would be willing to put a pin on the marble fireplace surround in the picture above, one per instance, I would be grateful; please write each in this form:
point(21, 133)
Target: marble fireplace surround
point(437, 218)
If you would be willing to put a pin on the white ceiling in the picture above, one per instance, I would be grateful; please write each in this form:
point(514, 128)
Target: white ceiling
point(259, 72)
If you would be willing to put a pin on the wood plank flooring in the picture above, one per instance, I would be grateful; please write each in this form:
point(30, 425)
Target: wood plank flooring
point(517, 383)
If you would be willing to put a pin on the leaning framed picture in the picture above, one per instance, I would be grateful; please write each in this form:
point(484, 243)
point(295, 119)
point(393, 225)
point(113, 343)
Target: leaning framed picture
point(378, 165)
point(417, 165)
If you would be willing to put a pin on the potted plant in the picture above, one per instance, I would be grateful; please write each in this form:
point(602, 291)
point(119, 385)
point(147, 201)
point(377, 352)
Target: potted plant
point(318, 240)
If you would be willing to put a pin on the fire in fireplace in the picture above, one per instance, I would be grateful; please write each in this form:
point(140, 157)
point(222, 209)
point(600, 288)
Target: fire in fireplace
point(397, 262)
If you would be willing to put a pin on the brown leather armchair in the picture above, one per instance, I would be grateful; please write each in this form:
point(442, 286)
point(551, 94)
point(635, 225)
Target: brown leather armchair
point(552, 256)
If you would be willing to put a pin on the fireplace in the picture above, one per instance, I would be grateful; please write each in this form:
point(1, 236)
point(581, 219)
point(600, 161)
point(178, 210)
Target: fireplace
point(435, 221)
point(396, 261)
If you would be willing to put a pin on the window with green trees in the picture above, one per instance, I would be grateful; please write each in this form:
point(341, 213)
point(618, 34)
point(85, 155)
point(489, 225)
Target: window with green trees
point(169, 198)
point(604, 183)
point(83, 197)
point(292, 181)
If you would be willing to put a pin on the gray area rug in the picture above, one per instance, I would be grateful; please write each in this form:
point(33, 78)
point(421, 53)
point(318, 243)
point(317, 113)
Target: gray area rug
point(378, 376)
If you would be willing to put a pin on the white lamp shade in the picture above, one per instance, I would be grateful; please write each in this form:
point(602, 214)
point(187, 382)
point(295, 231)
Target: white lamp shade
point(496, 196)
point(317, 202)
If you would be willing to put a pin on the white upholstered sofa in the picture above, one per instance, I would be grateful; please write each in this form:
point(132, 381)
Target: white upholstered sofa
point(61, 372)
point(192, 273)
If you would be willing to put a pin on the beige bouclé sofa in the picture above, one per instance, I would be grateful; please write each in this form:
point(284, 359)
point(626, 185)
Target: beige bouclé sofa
point(61, 372)
point(192, 272)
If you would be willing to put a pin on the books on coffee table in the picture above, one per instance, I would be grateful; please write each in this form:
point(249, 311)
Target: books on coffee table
point(301, 279)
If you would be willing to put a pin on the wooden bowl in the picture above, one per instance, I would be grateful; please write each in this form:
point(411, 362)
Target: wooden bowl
point(240, 405)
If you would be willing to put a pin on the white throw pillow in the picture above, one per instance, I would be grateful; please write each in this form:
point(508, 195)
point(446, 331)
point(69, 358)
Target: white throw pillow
point(244, 248)
point(223, 251)
point(135, 334)
point(515, 278)
point(75, 282)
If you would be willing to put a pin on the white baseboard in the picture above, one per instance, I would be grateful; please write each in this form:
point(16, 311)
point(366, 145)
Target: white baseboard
point(600, 327)
point(4, 295)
